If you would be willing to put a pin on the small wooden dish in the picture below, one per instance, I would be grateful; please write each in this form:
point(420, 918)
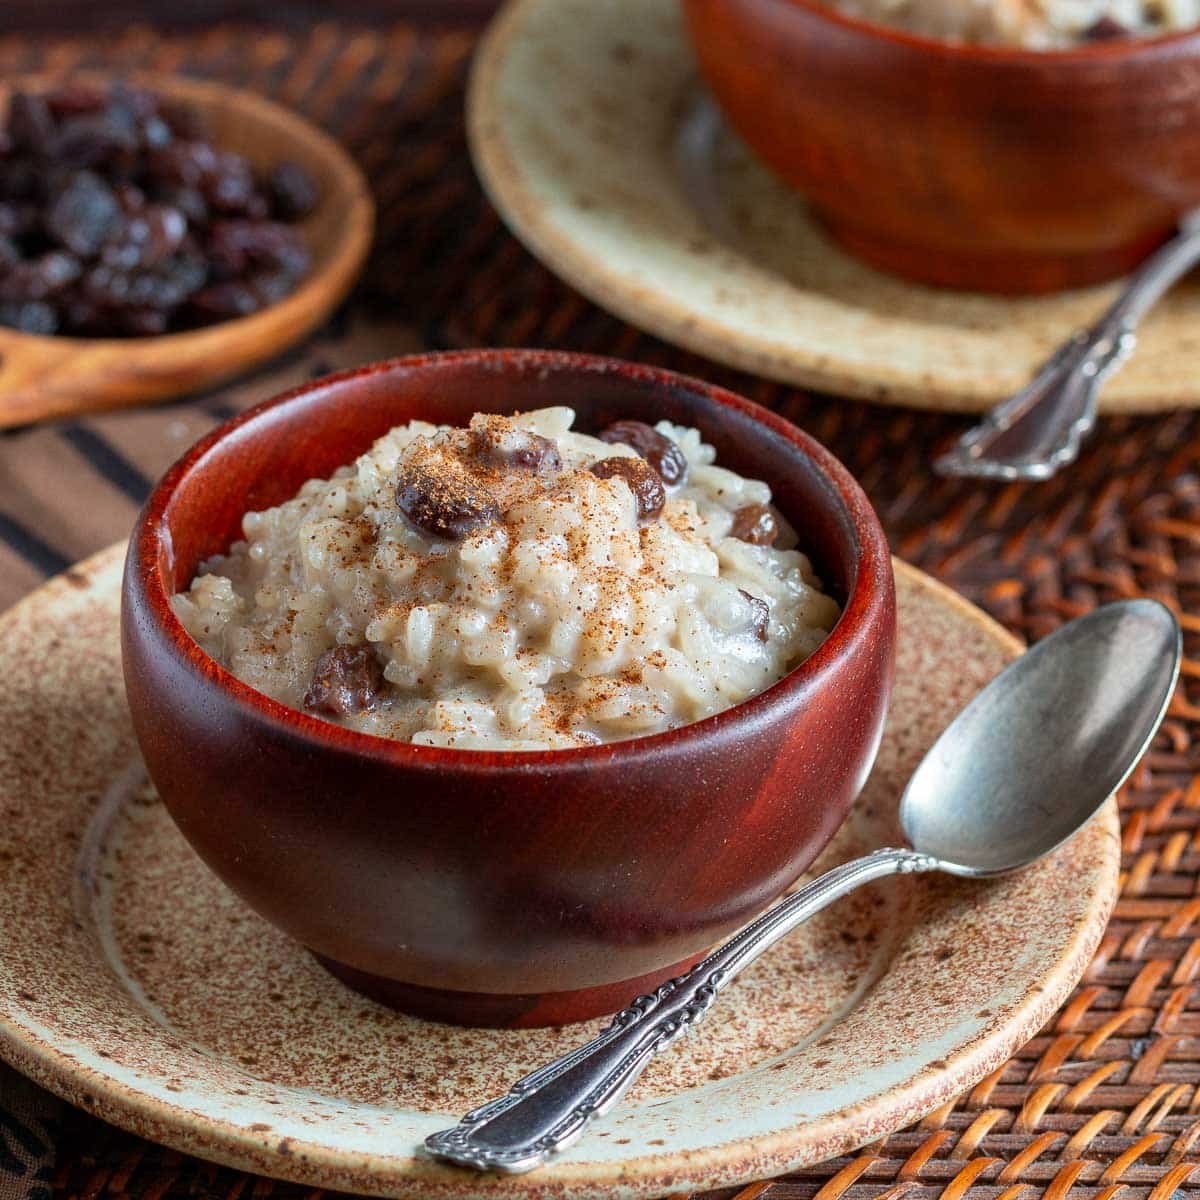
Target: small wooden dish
point(55, 376)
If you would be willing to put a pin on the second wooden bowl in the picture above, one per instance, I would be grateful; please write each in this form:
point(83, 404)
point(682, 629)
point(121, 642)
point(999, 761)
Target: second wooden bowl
point(979, 167)
point(56, 376)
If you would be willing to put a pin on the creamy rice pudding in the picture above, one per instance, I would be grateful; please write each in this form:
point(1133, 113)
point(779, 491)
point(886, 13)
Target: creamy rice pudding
point(1033, 24)
point(515, 585)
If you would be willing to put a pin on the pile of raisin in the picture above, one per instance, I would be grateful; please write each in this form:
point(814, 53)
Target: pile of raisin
point(119, 217)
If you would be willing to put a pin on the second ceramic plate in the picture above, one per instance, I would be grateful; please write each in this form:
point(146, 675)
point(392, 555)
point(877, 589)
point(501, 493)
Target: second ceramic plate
point(134, 983)
point(599, 148)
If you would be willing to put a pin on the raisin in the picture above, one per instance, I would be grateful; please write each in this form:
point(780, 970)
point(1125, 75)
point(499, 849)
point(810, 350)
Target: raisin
point(28, 219)
point(643, 480)
point(22, 179)
point(225, 253)
point(270, 286)
point(74, 98)
point(346, 680)
point(756, 524)
point(222, 301)
point(39, 278)
point(14, 220)
point(1105, 29)
point(146, 238)
point(30, 123)
point(81, 315)
point(257, 208)
point(33, 316)
point(125, 248)
point(83, 213)
point(233, 246)
point(229, 187)
point(656, 448)
point(136, 103)
point(189, 201)
point(58, 270)
point(143, 322)
point(536, 454)
point(165, 286)
point(293, 191)
point(90, 141)
point(515, 448)
point(169, 284)
point(183, 164)
point(154, 133)
point(762, 615)
point(443, 503)
point(168, 228)
point(185, 123)
point(106, 287)
point(130, 197)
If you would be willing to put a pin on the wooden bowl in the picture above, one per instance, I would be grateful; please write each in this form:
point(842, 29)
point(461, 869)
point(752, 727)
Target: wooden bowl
point(988, 168)
point(56, 376)
point(503, 888)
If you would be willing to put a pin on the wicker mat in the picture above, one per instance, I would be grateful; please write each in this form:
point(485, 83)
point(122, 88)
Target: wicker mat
point(1106, 1101)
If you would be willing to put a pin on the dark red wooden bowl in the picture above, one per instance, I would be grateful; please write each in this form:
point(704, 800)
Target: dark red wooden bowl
point(502, 888)
point(973, 167)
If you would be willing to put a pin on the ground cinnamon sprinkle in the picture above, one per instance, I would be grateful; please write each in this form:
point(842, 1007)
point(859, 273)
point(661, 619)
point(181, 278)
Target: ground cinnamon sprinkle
point(514, 596)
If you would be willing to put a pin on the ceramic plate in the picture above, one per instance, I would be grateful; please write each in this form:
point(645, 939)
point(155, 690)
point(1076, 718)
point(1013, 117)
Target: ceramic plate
point(134, 984)
point(596, 144)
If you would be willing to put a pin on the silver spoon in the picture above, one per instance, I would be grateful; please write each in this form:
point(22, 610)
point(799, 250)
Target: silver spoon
point(1021, 768)
point(1040, 429)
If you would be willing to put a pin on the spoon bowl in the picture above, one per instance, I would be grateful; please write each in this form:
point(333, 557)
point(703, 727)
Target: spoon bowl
point(1041, 748)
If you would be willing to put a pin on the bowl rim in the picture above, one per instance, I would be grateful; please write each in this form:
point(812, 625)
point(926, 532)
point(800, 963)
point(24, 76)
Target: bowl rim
point(869, 600)
point(346, 255)
point(1001, 55)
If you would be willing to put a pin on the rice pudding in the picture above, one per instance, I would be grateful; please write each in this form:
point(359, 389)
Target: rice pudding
point(515, 585)
point(1032, 24)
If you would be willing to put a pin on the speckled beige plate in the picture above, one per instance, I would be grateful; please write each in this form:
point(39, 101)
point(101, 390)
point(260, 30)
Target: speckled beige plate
point(136, 985)
point(588, 129)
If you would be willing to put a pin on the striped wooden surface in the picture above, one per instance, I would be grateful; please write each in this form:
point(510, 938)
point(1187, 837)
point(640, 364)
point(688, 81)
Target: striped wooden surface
point(1105, 1102)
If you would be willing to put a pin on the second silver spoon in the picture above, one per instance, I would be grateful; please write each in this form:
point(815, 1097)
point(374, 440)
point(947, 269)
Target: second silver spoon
point(1039, 430)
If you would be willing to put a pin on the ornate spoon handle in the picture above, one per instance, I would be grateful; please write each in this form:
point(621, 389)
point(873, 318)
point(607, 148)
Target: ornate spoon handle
point(547, 1110)
point(1037, 431)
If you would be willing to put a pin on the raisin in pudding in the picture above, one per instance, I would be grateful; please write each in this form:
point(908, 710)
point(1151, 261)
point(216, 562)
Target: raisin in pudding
point(515, 585)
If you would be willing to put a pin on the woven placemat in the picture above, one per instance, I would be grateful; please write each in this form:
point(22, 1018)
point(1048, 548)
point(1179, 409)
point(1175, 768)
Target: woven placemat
point(1105, 1102)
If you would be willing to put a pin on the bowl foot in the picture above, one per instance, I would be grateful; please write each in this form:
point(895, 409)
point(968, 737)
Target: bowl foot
point(500, 1011)
point(1009, 272)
